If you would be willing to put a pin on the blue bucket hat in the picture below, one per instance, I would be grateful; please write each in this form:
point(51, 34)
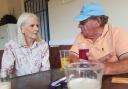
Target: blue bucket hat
point(90, 9)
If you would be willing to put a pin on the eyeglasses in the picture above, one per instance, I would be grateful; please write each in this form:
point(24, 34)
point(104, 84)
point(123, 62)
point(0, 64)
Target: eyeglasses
point(83, 22)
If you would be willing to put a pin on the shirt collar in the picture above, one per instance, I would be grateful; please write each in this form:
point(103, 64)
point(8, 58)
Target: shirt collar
point(106, 29)
point(35, 44)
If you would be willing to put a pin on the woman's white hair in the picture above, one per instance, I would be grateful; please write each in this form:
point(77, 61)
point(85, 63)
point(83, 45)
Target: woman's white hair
point(21, 21)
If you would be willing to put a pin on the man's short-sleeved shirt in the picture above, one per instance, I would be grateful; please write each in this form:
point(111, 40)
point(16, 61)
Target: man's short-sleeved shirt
point(112, 40)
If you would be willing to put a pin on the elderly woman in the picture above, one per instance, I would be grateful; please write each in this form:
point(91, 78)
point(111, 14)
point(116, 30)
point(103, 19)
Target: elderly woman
point(28, 53)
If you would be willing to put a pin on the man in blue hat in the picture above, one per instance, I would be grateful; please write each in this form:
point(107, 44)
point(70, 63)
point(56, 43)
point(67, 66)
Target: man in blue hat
point(105, 43)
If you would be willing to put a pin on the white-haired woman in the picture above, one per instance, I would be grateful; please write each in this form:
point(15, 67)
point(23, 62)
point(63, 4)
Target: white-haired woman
point(28, 54)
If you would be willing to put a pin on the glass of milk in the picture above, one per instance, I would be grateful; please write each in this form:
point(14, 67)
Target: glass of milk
point(84, 75)
point(5, 80)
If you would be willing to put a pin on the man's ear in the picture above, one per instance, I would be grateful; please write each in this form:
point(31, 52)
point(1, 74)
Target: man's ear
point(95, 24)
point(99, 20)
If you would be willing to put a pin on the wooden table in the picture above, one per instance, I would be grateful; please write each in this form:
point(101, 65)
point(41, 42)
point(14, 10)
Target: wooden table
point(41, 80)
point(107, 84)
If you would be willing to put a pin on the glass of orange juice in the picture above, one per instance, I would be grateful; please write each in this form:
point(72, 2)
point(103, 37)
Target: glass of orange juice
point(64, 58)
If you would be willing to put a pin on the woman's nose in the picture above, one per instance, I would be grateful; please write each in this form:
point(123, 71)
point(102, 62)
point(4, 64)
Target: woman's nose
point(36, 28)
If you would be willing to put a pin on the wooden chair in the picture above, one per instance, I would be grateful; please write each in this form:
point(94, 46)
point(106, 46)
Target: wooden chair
point(1, 54)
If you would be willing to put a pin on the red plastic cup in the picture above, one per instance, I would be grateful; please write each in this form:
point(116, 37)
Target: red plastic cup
point(83, 50)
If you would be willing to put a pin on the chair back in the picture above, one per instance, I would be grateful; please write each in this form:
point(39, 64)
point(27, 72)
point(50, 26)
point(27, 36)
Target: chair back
point(1, 54)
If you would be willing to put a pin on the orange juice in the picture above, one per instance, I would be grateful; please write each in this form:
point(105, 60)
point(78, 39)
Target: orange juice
point(64, 61)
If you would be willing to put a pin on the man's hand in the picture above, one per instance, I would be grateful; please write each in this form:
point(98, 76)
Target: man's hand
point(111, 57)
point(73, 57)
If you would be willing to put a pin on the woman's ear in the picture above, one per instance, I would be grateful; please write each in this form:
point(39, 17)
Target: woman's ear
point(22, 30)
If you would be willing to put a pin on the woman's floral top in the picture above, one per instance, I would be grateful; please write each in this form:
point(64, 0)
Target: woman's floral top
point(26, 60)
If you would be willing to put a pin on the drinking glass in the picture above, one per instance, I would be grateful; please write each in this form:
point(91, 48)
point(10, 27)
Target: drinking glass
point(84, 75)
point(83, 50)
point(64, 58)
point(5, 80)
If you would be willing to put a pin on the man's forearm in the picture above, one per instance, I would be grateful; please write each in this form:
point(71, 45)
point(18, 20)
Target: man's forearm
point(116, 67)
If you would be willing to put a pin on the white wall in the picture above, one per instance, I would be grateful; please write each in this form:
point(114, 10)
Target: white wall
point(3, 7)
point(15, 7)
point(63, 27)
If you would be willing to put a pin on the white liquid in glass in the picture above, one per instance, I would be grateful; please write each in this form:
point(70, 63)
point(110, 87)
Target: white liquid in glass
point(84, 83)
point(5, 85)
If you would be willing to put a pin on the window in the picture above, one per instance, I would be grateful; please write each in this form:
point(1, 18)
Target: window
point(40, 8)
